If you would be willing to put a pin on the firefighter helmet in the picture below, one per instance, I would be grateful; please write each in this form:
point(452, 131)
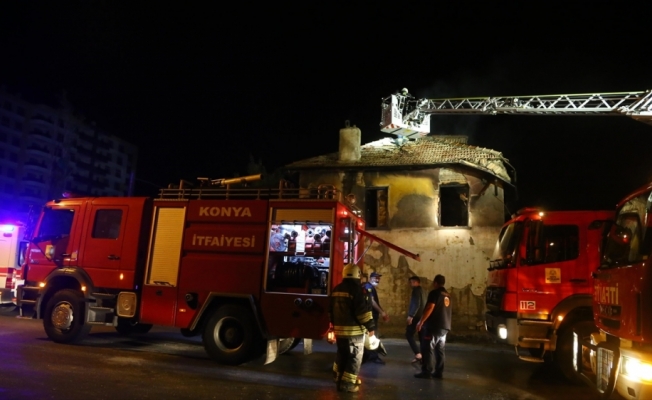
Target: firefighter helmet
point(351, 271)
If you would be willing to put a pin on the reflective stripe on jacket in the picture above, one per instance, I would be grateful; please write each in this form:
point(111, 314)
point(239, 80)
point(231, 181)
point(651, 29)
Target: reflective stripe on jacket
point(350, 309)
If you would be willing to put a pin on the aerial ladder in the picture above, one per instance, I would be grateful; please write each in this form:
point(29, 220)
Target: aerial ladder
point(404, 115)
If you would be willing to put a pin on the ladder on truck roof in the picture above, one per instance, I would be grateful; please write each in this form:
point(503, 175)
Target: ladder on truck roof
point(187, 191)
point(404, 115)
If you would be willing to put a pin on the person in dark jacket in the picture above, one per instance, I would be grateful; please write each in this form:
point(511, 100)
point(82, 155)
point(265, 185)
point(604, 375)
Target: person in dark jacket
point(369, 288)
point(350, 314)
point(435, 324)
point(417, 304)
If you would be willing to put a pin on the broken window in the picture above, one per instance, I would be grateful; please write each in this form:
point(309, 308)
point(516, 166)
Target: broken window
point(376, 206)
point(454, 205)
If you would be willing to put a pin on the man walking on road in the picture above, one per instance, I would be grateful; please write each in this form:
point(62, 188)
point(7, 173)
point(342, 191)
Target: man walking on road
point(417, 304)
point(350, 314)
point(369, 289)
point(434, 326)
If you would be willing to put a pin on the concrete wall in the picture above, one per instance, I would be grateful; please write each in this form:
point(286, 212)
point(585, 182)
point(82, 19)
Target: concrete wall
point(460, 254)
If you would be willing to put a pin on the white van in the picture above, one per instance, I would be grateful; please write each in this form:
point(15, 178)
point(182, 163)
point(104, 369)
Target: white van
point(12, 250)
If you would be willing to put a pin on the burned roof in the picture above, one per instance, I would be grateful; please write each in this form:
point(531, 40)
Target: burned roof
point(423, 152)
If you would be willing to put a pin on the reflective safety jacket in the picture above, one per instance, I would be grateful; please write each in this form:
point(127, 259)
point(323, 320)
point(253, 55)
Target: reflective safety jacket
point(350, 309)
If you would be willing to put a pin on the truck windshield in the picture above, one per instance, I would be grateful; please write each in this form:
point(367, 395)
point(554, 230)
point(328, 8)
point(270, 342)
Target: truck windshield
point(55, 224)
point(508, 240)
point(629, 239)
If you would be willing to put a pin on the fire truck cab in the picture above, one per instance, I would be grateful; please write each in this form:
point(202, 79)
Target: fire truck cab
point(249, 270)
point(540, 285)
point(618, 354)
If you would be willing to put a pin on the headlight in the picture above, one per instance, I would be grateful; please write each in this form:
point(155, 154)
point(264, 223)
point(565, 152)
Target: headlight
point(637, 370)
point(502, 331)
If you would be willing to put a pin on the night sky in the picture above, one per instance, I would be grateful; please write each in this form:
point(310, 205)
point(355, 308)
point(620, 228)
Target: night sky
point(200, 89)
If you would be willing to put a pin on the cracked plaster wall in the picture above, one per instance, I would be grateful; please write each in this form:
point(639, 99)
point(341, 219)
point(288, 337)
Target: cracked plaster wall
point(460, 254)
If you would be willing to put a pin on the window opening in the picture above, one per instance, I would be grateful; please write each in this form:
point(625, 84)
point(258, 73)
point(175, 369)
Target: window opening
point(376, 206)
point(552, 243)
point(55, 223)
point(107, 224)
point(454, 205)
point(629, 239)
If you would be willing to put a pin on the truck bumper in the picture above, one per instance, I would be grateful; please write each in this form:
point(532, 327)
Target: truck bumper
point(521, 333)
point(502, 329)
point(635, 378)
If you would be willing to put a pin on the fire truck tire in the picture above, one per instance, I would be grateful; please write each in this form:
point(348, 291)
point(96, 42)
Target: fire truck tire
point(231, 335)
point(287, 344)
point(564, 349)
point(63, 320)
point(130, 327)
point(295, 343)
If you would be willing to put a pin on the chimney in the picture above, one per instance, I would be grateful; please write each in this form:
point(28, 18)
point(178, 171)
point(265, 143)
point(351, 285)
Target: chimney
point(349, 143)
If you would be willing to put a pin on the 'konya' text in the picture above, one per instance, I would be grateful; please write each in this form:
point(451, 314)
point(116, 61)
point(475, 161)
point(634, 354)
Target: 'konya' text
point(224, 211)
point(224, 241)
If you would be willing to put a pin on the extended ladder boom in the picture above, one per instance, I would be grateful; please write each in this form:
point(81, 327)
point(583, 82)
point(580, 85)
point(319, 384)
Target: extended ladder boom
point(403, 115)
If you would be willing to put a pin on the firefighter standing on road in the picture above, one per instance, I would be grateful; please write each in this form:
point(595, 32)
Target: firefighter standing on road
point(350, 314)
point(434, 326)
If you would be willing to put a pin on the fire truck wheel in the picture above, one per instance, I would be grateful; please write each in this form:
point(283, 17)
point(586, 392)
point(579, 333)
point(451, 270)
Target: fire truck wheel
point(64, 317)
point(231, 335)
point(564, 349)
point(295, 343)
point(128, 327)
point(287, 344)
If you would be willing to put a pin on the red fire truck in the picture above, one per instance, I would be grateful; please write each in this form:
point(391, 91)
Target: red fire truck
point(248, 269)
point(619, 355)
point(539, 286)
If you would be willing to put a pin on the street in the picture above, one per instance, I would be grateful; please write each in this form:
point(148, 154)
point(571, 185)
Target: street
point(164, 365)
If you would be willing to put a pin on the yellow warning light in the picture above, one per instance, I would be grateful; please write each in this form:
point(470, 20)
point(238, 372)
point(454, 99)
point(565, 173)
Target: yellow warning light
point(122, 276)
point(540, 213)
point(560, 318)
point(42, 284)
point(83, 288)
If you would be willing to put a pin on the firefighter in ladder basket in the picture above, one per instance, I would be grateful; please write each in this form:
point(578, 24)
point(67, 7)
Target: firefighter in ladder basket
point(350, 314)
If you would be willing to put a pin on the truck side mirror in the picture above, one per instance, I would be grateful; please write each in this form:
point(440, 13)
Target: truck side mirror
point(22, 253)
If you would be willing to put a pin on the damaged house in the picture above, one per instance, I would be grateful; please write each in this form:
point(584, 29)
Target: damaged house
point(437, 196)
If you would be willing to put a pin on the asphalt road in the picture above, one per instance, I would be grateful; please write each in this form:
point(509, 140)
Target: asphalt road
point(164, 365)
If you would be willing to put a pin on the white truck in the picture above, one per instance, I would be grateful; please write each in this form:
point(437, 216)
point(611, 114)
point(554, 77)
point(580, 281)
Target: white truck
point(12, 250)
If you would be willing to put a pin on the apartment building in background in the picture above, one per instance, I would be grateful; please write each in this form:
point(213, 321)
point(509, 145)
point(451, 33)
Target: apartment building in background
point(46, 151)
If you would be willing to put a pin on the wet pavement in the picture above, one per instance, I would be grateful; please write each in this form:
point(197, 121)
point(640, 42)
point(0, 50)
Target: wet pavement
point(165, 365)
